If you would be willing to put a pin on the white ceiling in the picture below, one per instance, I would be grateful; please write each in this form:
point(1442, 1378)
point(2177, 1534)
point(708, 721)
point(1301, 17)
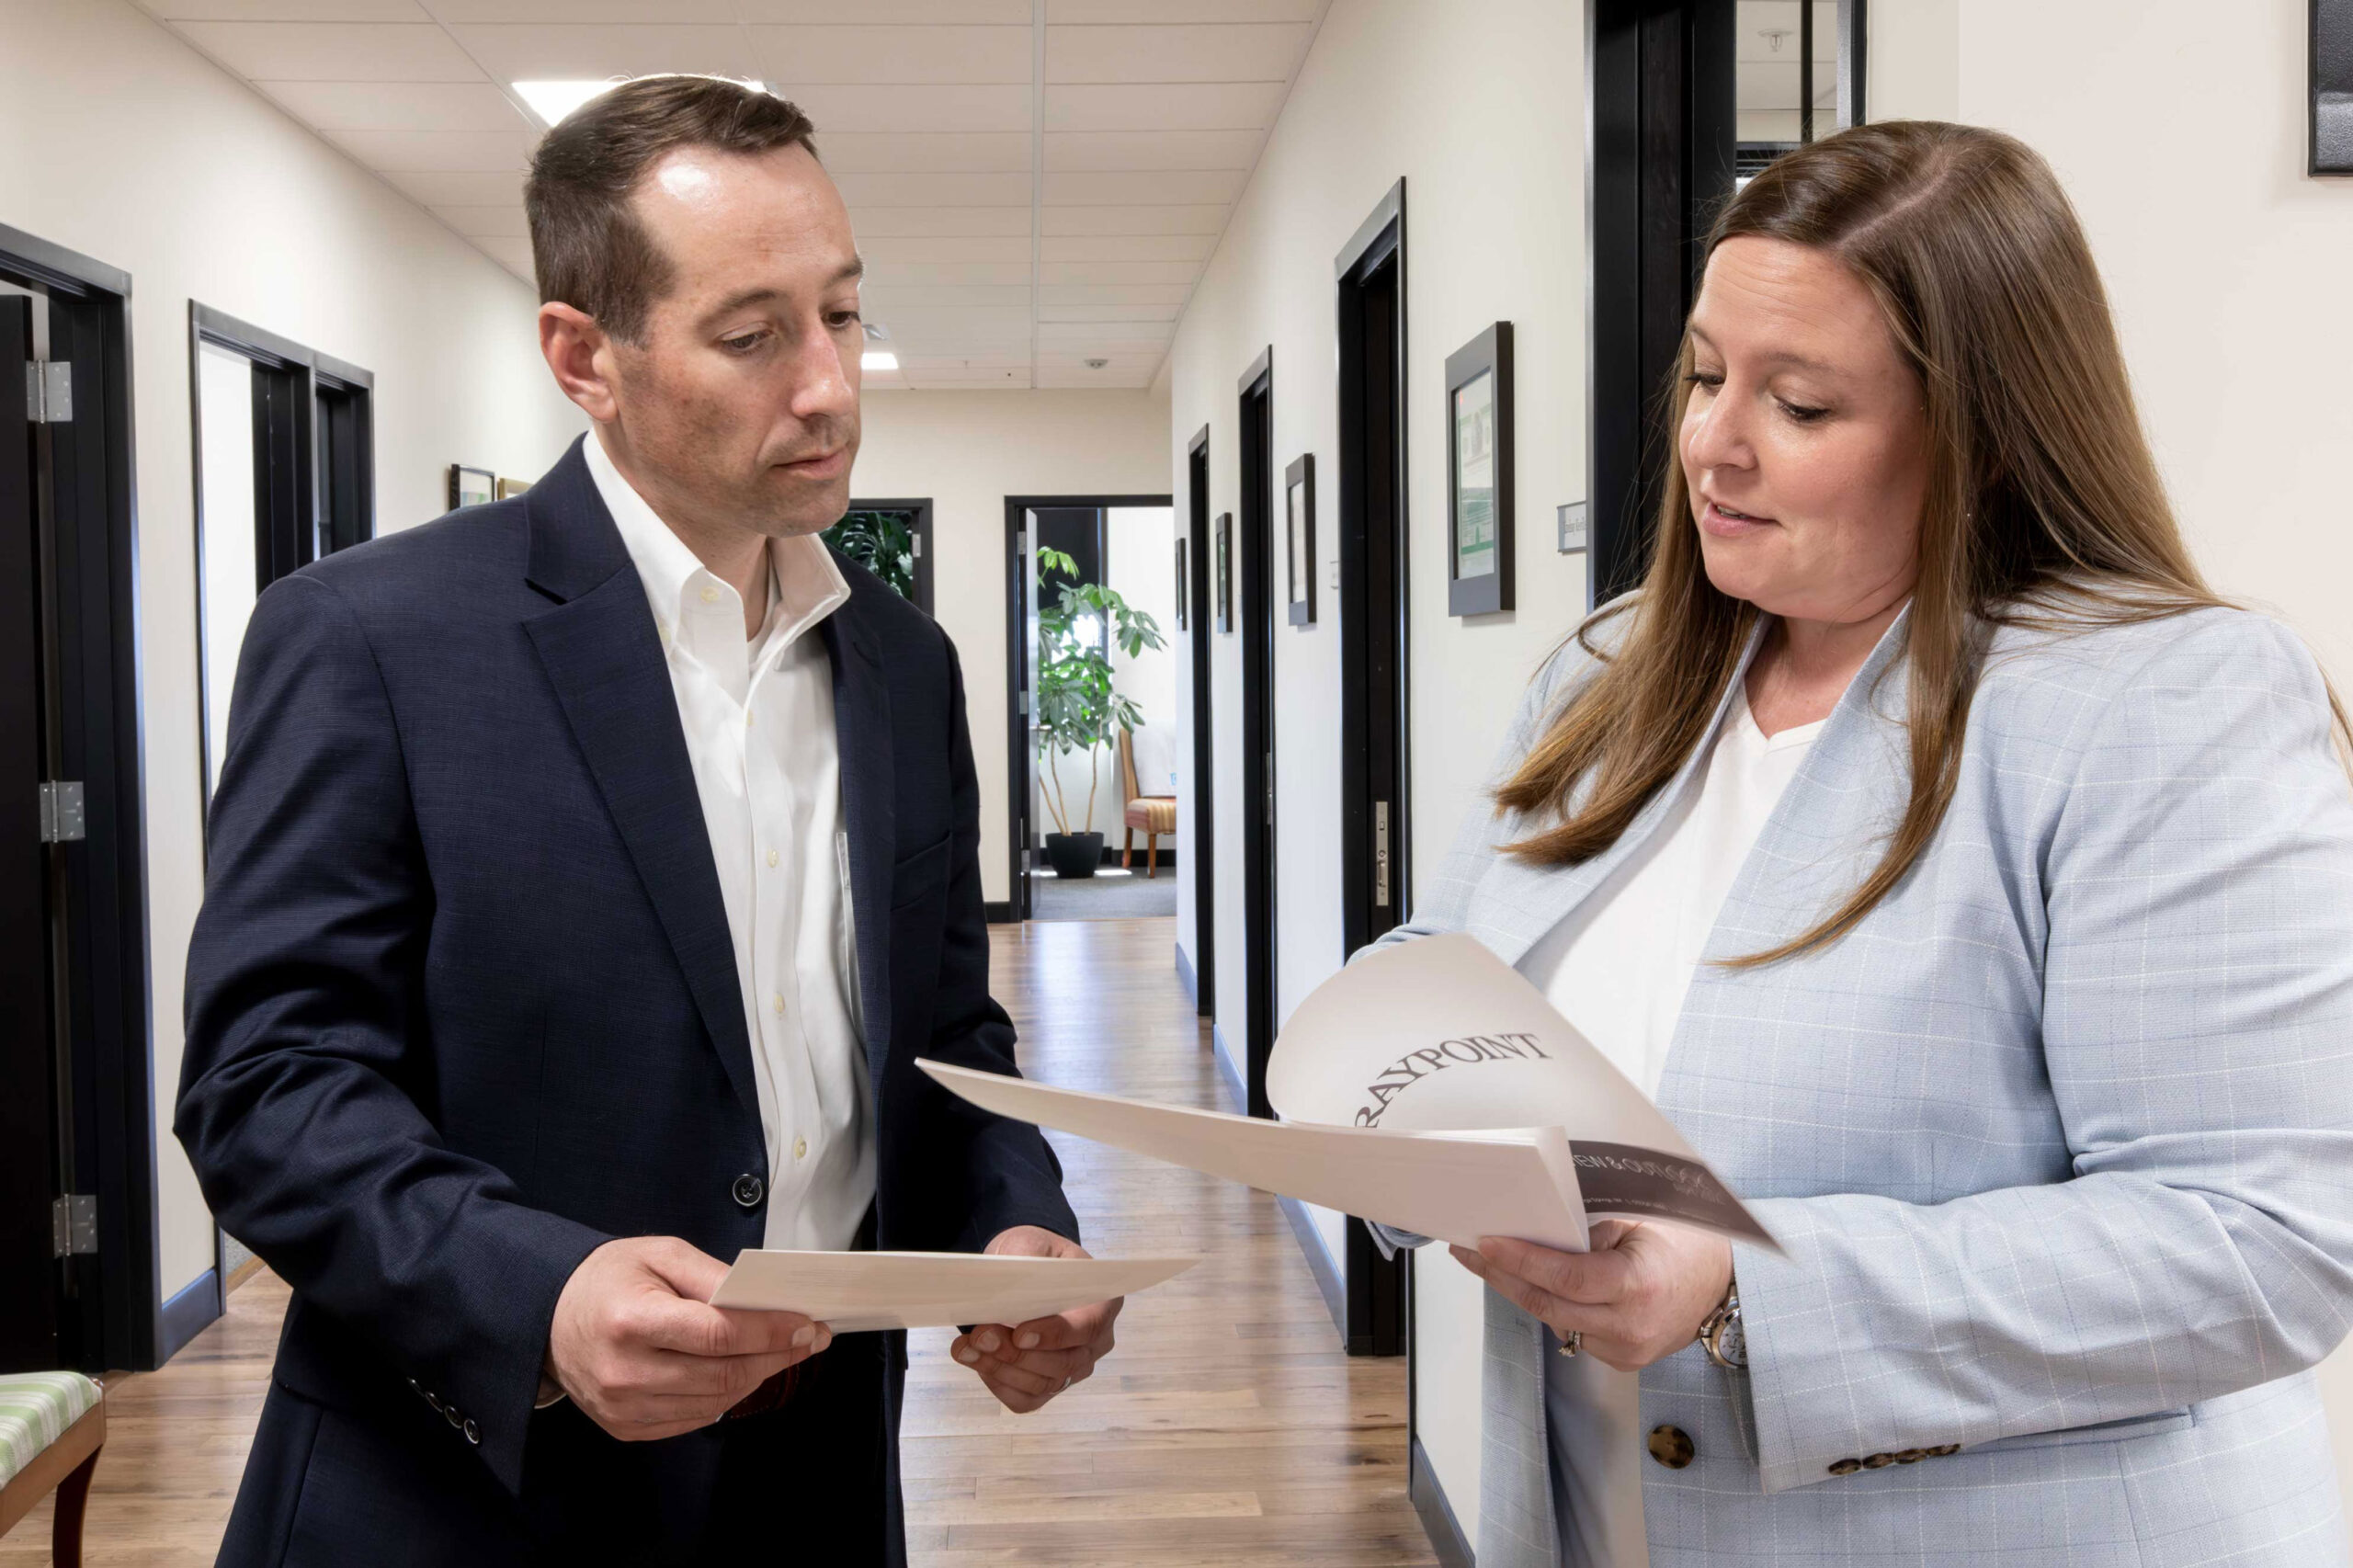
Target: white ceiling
point(1035, 184)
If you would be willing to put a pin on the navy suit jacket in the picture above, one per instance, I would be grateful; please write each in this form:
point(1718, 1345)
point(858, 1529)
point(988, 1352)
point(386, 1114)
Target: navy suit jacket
point(461, 1000)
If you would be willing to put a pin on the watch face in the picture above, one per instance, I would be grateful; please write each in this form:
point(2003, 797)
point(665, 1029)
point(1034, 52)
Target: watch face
point(1735, 1340)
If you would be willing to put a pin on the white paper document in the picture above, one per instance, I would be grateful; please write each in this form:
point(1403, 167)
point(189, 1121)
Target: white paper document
point(1431, 1088)
point(853, 1292)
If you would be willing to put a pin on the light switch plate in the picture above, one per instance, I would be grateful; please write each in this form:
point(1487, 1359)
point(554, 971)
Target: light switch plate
point(1332, 574)
point(1571, 516)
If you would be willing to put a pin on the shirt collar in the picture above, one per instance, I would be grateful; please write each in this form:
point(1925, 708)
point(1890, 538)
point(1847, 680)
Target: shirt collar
point(806, 584)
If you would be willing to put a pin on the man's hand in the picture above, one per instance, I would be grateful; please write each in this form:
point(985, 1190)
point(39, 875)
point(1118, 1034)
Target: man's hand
point(1640, 1295)
point(1030, 1363)
point(638, 1346)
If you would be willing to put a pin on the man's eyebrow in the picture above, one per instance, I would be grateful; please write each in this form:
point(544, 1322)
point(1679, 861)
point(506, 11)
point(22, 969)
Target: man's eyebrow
point(744, 298)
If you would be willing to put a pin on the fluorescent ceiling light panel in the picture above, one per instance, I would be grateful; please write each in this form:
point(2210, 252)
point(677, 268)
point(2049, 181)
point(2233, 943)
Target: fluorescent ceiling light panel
point(879, 359)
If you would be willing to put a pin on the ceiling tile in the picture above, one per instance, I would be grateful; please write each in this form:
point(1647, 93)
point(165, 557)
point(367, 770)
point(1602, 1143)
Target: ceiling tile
point(1131, 337)
point(1153, 149)
point(1119, 272)
point(1202, 219)
point(1051, 310)
point(1077, 187)
point(1114, 294)
point(1127, 247)
point(1217, 52)
point(287, 10)
point(438, 151)
point(1163, 106)
point(912, 188)
point(819, 12)
point(398, 105)
point(332, 51)
point(939, 107)
point(944, 248)
point(890, 302)
point(862, 152)
point(920, 273)
point(513, 255)
point(996, 321)
point(966, 381)
point(444, 189)
point(900, 54)
point(885, 222)
point(578, 13)
point(1181, 10)
point(548, 52)
point(486, 223)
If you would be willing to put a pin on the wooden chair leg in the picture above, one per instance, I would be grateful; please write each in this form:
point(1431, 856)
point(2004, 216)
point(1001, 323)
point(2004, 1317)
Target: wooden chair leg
point(1128, 854)
point(73, 1498)
point(1151, 856)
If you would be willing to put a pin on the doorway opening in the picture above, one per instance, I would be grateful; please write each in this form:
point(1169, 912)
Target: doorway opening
point(1068, 674)
point(78, 1120)
point(892, 540)
point(1255, 565)
point(1198, 815)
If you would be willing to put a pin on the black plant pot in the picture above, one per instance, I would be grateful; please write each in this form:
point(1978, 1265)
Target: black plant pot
point(1074, 854)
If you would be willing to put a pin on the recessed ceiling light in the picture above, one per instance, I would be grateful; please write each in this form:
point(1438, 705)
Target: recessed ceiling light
point(879, 359)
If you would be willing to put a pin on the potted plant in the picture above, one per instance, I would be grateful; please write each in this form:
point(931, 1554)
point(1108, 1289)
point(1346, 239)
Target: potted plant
point(882, 543)
point(1077, 710)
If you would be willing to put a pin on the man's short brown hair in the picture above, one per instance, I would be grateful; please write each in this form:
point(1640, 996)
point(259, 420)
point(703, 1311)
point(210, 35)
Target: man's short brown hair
point(587, 247)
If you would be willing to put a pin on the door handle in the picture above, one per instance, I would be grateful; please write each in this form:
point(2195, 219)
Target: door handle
point(1381, 854)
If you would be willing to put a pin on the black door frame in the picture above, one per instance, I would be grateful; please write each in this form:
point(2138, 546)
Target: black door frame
point(1200, 630)
point(921, 529)
point(1016, 906)
point(1254, 550)
point(110, 1313)
point(1661, 155)
point(1375, 710)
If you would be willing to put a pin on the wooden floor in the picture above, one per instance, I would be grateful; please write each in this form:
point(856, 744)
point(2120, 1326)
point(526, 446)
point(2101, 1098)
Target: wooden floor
point(1228, 1430)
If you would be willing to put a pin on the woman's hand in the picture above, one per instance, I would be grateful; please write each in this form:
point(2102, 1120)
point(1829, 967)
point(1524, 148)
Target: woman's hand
point(1640, 1295)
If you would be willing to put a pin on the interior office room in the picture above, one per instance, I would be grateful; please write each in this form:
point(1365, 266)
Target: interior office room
point(1186, 324)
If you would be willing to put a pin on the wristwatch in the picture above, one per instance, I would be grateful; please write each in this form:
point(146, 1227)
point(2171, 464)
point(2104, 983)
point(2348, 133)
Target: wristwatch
point(1721, 1336)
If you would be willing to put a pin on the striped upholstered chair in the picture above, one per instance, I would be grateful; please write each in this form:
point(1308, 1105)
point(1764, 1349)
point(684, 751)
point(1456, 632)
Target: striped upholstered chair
point(1154, 813)
point(52, 1427)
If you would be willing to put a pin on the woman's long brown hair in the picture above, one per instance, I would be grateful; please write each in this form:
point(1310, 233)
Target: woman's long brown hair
point(2043, 502)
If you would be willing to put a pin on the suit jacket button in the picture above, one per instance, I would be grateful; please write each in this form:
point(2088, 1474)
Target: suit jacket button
point(1878, 1461)
point(1671, 1446)
point(473, 1433)
point(1846, 1467)
point(749, 1190)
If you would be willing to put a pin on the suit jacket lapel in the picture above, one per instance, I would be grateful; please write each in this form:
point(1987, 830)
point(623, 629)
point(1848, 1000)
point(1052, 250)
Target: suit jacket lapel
point(603, 659)
point(862, 730)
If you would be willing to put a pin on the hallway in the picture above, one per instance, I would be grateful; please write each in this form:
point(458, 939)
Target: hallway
point(1228, 1428)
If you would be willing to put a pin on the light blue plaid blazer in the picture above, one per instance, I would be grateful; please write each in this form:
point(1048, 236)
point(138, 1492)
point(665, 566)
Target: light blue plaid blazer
point(2060, 1141)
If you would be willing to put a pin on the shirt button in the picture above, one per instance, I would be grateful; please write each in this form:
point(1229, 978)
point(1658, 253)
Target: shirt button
point(771, 859)
point(779, 1000)
point(801, 1148)
point(1672, 1447)
point(749, 1190)
point(710, 596)
point(747, 718)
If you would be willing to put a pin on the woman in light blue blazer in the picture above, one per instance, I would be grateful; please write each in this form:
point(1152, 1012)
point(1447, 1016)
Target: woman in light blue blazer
point(1974, 888)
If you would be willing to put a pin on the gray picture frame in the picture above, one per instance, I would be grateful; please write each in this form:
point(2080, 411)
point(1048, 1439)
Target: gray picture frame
point(1224, 571)
point(1478, 485)
point(1299, 537)
point(2332, 87)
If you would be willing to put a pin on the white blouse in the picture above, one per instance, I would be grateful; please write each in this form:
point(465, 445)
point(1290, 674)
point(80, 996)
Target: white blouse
point(1618, 968)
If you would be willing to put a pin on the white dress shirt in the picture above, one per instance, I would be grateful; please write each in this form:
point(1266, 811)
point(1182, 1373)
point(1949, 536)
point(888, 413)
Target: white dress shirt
point(758, 719)
point(1618, 969)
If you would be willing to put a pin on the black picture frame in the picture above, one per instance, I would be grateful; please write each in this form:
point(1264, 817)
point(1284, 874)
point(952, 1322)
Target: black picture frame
point(460, 494)
point(1479, 498)
point(1298, 536)
point(1183, 600)
point(1224, 570)
point(2332, 87)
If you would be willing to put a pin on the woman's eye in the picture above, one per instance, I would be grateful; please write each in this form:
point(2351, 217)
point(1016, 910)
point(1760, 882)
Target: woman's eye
point(1709, 378)
point(1801, 413)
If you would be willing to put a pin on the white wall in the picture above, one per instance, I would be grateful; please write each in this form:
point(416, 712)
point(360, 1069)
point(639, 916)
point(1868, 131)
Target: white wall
point(129, 148)
point(967, 451)
point(1491, 142)
point(2226, 265)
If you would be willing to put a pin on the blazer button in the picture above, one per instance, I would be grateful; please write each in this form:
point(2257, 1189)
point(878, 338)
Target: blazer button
point(1846, 1467)
point(1671, 1446)
point(473, 1433)
point(749, 1190)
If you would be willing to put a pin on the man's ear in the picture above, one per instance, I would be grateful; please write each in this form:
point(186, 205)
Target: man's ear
point(580, 355)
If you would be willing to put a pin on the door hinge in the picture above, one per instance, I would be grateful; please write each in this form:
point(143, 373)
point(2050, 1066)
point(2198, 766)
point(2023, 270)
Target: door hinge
point(61, 819)
point(1381, 854)
point(49, 392)
point(73, 1226)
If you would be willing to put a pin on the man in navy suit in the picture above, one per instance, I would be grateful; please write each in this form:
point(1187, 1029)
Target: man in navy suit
point(588, 872)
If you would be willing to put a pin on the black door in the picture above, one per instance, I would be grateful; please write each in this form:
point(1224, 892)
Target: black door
point(1374, 781)
point(1201, 631)
point(1256, 618)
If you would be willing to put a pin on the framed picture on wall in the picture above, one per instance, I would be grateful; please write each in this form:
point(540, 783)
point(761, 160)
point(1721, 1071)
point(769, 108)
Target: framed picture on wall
point(471, 486)
point(1224, 569)
point(1299, 528)
point(1479, 474)
point(509, 488)
point(2332, 87)
point(1184, 591)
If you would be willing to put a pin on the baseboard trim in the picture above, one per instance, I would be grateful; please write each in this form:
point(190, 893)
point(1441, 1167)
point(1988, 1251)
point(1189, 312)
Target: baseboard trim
point(1438, 1515)
point(1111, 856)
point(188, 1315)
point(239, 1275)
point(998, 913)
point(1320, 1262)
point(1185, 975)
point(1228, 1071)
